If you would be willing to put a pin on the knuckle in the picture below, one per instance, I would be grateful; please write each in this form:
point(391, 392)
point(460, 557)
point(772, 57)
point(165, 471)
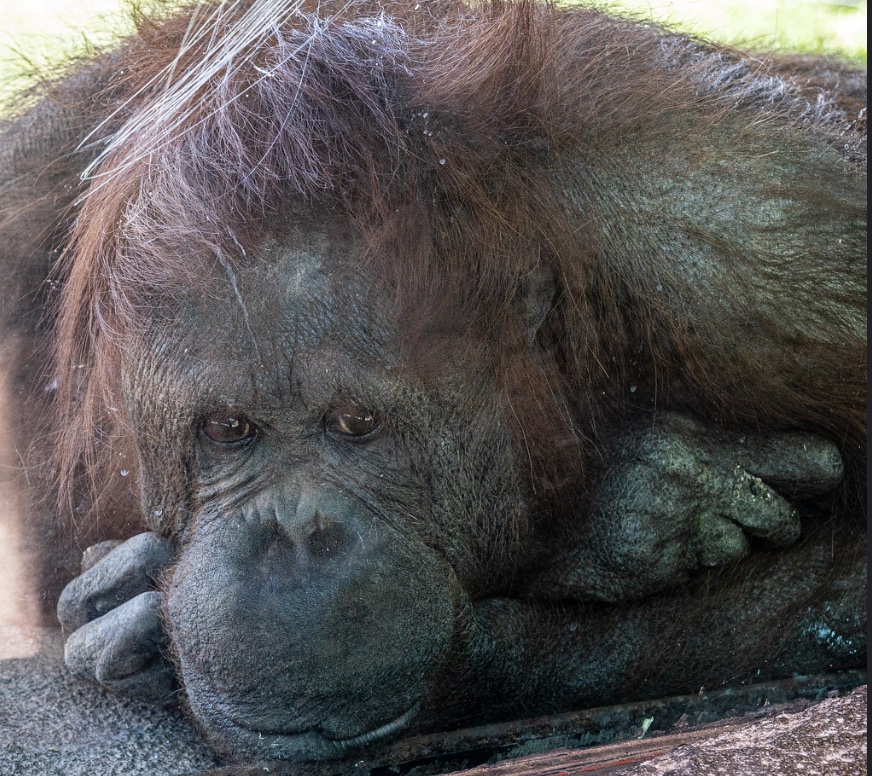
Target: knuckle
point(667, 455)
point(151, 550)
point(96, 552)
point(749, 488)
point(761, 512)
point(118, 645)
point(115, 578)
point(74, 608)
point(722, 541)
point(79, 652)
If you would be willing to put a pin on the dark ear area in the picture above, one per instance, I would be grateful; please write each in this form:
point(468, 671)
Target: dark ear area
point(535, 298)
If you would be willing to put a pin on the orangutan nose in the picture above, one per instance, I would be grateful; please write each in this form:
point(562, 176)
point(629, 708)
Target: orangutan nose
point(325, 539)
point(299, 535)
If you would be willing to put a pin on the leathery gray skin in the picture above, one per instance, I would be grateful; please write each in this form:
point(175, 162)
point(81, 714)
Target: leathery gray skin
point(314, 591)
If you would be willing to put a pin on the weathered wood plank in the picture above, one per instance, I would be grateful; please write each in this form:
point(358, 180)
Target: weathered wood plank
point(829, 737)
point(600, 740)
point(600, 759)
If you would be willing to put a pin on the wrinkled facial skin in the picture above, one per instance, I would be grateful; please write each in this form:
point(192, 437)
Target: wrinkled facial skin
point(323, 573)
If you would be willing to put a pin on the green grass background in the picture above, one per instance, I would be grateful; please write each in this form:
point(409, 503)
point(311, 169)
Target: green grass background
point(36, 33)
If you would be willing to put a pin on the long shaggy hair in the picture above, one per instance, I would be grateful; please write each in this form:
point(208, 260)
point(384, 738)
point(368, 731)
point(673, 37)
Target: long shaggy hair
point(702, 216)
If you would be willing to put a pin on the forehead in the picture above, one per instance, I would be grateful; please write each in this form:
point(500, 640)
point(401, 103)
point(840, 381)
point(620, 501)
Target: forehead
point(301, 310)
point(306, 287)
point(309, 313)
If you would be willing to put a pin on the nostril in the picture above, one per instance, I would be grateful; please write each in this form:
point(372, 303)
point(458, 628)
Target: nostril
point(325, 538)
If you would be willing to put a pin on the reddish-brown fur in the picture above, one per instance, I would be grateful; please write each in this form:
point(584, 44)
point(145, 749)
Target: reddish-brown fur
point(463, 134)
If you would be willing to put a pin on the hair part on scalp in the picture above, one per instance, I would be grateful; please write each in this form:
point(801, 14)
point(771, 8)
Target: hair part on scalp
point(479, 129)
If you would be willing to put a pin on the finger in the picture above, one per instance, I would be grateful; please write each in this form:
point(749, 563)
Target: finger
point(720, 541)
point(760, 511)
point(96, 552)
point(125, 572)
point(796, 465)
point(123, 650)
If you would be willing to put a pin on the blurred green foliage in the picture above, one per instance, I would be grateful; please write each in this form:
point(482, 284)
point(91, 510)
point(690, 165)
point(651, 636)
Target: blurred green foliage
point(808, 26)
point(34, 34)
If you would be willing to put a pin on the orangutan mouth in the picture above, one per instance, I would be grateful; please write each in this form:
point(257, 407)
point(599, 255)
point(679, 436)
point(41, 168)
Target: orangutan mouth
point(312, 745)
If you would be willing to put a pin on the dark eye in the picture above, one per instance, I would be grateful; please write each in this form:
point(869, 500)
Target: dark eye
point(229, 429)
point(352, 421)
